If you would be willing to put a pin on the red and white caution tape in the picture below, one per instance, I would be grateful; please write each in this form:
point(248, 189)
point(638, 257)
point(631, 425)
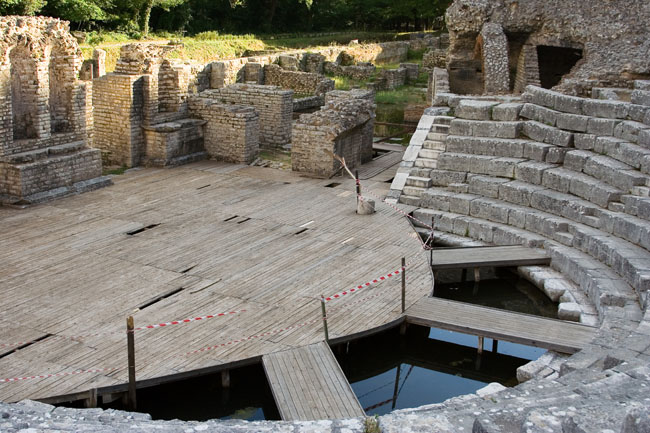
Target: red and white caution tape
point(67, 373)
point(254, 337)
point(369, 283)
point(76, 338)
point(192, 319)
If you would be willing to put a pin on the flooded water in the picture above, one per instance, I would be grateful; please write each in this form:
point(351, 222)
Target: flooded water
point(502, 289)
point(387, 371)
point(249, 397)
point(391, 371)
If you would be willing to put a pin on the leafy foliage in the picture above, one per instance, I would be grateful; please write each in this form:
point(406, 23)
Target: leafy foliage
point(135, 17)
point(21, 7)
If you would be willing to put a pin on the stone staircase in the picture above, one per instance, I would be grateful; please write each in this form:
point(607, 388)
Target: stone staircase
point(419, 178)
point(568, 174)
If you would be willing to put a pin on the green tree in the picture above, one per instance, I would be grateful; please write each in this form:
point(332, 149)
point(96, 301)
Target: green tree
point(21, 7)
point(80, 11)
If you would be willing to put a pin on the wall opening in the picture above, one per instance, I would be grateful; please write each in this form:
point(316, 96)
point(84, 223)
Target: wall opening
point(555, 62)
point(24, 94)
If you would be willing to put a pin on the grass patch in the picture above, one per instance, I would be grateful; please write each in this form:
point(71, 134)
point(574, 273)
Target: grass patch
point(347, 83)
point(415, 56)
point(401, 96)
point(276, 155)
point(114, 171)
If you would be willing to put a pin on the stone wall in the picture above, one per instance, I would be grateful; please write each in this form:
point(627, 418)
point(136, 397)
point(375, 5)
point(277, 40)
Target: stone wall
point(368, 128)
point(226, 72)
point(145, 90)
point(356, 72)
point(174, 143)
point(45, 115)
point(341, 127)
point(300, 82)
point(118, 102)
point(613, 38)
point(273, 104)
point(389, 79)
point(231, 131)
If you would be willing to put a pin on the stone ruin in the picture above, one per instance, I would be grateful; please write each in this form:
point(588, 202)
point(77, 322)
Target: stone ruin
point(344, 126)
point(46, 113)
point(273, 105)
point(64, 116)
point(142, 116)
point(503, 45)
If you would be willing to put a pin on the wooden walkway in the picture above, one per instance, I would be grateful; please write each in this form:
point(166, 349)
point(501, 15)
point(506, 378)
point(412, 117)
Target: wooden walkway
point(380, 164)
point(474, 257)
point(558, 335)
point(170, 244)
point(308, 383)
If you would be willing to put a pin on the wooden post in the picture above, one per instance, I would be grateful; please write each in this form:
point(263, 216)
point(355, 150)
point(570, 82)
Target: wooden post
point(396, 389)
point(403, 284)
point(225, 379)
point(431, 245)
point(322, 306)
point(477, 275)
point(130, 338)
point(495, 346)
point(356, 176)
point(91, 401)
point(480, 345)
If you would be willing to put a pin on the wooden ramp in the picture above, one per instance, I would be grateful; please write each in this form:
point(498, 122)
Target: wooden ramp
point(558, 335)
point(308, 383)
point(474, 257)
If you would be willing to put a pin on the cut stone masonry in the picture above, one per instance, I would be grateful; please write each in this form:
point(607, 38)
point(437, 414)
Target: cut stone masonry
point(45, 111)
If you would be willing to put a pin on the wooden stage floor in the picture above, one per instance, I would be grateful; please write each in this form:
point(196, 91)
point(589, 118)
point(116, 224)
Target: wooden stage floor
point(217, 238)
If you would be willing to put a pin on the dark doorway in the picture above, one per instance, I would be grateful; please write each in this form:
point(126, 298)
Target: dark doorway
point(555, 62)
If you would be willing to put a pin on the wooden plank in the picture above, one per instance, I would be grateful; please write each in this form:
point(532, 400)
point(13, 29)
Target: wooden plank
point(69, 269)
point(379, 165)
point(472, 257)
point(558, 335)
point(308, 383)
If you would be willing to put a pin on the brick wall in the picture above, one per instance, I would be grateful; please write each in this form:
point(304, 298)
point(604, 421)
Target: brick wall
point(342, 126)
point(232, 131)
point(274, 106)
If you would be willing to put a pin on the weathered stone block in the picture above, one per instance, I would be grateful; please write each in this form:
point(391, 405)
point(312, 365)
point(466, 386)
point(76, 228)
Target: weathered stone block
point(472, 109)
point(568, 104)
point(572, 122)
point(539, 114)
point(606, 109)
point(532, 172)
point(506, 112)
point(540, 96)
point(536, 151)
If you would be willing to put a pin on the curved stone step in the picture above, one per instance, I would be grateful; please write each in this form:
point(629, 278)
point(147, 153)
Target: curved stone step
point(629, 260)
point(486, 128)
point(604, 286)
point(609, 170)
